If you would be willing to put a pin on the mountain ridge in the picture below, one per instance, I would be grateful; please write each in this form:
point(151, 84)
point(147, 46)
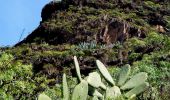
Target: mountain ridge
point(51, 29)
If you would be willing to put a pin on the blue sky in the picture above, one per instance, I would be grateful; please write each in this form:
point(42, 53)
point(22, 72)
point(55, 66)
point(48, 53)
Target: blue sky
point(16, 15)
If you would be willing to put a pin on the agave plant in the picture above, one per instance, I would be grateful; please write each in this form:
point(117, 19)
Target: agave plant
point(90, 45)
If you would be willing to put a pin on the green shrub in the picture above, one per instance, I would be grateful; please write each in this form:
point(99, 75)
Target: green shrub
point(152, 4)
point(16, 79)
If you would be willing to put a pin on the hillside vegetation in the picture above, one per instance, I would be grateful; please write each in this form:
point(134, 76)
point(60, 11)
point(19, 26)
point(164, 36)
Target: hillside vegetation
point(116, 32)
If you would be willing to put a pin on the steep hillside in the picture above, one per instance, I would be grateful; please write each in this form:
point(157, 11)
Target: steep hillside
point(100, 21)
point(117, 32)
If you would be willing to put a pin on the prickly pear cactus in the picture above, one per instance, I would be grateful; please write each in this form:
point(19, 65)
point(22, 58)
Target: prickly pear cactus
point(94, 92)
point(77, 68)
point(133, 97)
point(43, 97)
point(135, 81)
point(94, 80)
point(90, 85)
point(124, 74)
point(80, 91)
point(95, 98)
point(65, 88)
point(112, 93)
point(104, 72)
point(97, 93)
point(137, 90)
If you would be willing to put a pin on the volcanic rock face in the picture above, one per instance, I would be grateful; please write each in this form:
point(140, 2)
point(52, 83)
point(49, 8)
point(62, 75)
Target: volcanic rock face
point(116, 31)
point(103, 21)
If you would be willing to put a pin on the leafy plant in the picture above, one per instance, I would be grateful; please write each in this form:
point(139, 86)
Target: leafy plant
point(17, 80)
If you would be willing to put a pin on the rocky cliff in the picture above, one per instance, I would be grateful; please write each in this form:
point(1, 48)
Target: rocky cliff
point(102, 21)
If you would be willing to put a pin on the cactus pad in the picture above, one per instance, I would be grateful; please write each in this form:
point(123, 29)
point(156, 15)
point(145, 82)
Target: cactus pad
point(77, 68)
point(103, 70)
point(80, 91)
point(135, 81)
point(65, 88)
point(112, 93)
point(123, 75)
point(137, 90)
point(43, 97)
point(94, 80)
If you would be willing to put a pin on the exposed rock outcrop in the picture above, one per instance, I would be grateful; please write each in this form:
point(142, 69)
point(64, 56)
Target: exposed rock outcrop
point(116, 31)
point(75, 21)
